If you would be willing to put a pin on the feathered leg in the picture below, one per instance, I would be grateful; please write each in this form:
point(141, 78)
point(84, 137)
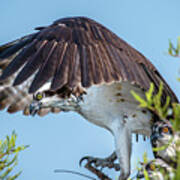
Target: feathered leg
point(123, 138)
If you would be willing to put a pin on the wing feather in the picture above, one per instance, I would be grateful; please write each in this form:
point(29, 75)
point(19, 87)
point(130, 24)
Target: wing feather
point(46, 70)
point(61, 75)
point(140, 76)
point(128, 66)
point(74, 76)
point(111, 69)
point(19, 103)
point(72, 53)
point(119, 62)
point(113, 60)
point(92, 66)
point(6, 97)
point(102, 66)
point(19, 60)
point(96, 68)
point(85, 76)
point(33, 64)
point(11, 48)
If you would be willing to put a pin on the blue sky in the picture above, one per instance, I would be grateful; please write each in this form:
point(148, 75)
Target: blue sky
point(59, 141)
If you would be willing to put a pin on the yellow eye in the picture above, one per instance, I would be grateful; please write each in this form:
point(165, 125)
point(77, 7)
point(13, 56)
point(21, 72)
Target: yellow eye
point(39, 96)
point(165, 130)
point(152, 167)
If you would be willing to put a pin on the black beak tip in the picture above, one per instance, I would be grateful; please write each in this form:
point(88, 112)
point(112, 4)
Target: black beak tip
point(32, 112)
point(33, 109)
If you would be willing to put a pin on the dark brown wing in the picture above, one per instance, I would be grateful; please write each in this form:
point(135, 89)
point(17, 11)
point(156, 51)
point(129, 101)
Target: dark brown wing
point(17, 98)
point(75, 52)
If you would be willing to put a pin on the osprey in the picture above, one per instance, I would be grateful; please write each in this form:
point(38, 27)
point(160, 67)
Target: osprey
point(77, 64)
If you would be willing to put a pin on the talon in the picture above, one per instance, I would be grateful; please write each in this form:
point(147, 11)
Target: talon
point(116, 167)
point(82, 159)
point(102, 163)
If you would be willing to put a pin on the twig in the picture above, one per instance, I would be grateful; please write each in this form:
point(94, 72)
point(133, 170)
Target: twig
point(73, 172)
point(97, 172)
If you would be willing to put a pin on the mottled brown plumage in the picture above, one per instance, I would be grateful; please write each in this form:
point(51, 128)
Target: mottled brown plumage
point(73, 53)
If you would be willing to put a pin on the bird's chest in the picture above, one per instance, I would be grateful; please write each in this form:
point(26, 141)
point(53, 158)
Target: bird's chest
point(102, 105)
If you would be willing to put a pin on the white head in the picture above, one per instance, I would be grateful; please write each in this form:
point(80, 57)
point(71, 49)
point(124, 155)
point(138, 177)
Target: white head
point(44, 98)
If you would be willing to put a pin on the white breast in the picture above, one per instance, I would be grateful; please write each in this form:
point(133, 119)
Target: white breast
point(104, 103)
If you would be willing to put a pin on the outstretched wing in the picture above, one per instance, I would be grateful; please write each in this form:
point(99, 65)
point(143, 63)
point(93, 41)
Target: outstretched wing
point(16, 98)
point(75, 53)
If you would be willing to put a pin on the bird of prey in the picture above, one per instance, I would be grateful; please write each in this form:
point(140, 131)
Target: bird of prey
point(157, 169)
point(77, 64)
point(164, 138)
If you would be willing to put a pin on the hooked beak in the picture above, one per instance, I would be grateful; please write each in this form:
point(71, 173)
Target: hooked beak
point(34, 107)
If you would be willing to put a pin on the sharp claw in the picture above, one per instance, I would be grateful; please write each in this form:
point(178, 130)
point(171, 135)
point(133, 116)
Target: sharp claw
point(97, 162)
point(89, 159)
point(117, 167)
point(82, 159)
